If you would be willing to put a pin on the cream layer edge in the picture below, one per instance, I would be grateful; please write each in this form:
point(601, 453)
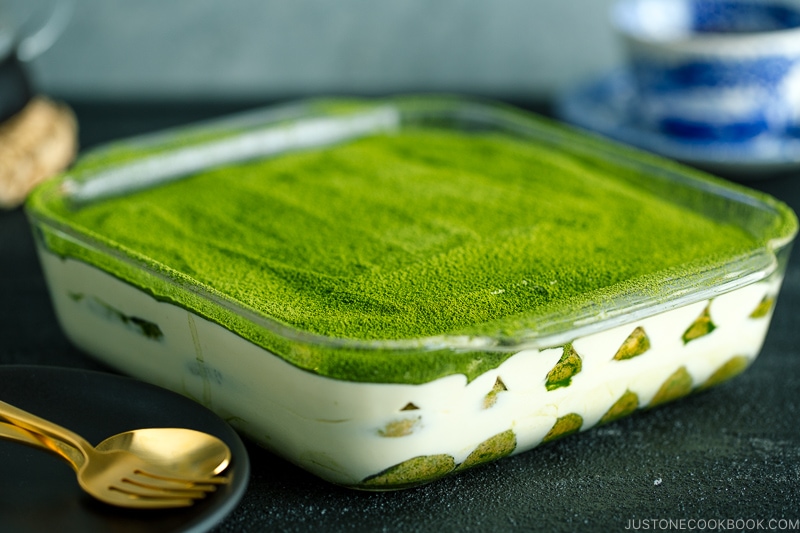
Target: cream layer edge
point(383, 436)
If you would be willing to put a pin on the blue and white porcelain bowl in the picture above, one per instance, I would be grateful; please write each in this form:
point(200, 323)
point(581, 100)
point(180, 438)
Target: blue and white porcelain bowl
point(713, 69)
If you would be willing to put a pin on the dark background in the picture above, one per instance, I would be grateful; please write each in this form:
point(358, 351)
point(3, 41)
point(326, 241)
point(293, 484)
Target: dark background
point(134, 67)
point(730, 453)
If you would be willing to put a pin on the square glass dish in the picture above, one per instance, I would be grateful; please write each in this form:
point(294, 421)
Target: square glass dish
point(386, 292)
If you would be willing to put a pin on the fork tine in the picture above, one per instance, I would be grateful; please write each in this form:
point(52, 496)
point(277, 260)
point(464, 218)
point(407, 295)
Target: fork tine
point(216, 480)
point(127, 499)
point(141, 491)
point(144, 480)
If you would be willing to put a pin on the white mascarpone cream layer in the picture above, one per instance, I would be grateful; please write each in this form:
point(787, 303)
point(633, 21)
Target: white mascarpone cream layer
point(385, 436)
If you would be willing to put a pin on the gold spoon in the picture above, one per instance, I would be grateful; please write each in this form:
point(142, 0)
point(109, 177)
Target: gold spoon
point(185, 452)
point(158, 475)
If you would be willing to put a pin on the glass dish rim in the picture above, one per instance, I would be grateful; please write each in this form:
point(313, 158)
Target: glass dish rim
point(378, 114)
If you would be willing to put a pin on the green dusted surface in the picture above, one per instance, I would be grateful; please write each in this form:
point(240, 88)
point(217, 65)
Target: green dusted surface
point(636, 344)
point(399, 236)
point(492, 449)
point(416, 471)
point(408, 235)
point(677, 385)
point(732, 368)
point(626, 405)
point(564, 426)
point(567, 367)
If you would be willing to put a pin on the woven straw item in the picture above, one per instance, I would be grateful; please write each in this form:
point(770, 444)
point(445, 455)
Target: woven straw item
point(36, 143)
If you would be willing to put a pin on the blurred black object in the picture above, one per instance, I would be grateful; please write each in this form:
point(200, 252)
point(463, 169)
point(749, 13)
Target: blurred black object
point(15, 88)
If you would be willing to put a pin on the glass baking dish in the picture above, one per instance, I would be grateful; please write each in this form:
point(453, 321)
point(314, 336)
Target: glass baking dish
point(382, 411)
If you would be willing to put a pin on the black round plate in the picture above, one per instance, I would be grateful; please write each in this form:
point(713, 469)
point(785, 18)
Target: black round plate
point(39, 492)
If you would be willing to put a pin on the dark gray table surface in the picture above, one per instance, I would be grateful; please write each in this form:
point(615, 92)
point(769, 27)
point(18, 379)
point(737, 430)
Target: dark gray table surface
point(731, 453)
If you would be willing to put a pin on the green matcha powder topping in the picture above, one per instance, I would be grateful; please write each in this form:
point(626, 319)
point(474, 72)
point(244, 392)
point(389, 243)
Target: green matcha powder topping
point(409, 235)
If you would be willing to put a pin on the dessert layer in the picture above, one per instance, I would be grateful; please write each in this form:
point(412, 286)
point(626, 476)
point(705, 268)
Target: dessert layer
point(413, 234)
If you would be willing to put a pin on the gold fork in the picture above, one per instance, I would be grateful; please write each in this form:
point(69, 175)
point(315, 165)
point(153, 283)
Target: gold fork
point(116, 477)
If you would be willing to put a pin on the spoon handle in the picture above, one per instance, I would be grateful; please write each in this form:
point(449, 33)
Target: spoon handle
point(17, 434)
point(35, 424)
point(13, 433)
